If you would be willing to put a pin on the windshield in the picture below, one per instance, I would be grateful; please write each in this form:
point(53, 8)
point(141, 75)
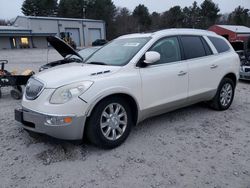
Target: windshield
point(119, 52)
point(85, 53)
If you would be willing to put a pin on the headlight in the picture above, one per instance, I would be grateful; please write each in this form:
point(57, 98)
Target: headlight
point(67, 92)
point(241, 69)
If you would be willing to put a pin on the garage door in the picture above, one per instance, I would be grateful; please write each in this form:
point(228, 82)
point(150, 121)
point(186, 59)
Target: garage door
point(75, 35)
point(94, 34)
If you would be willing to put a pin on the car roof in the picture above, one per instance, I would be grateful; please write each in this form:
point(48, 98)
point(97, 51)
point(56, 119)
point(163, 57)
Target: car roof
point(167, 32)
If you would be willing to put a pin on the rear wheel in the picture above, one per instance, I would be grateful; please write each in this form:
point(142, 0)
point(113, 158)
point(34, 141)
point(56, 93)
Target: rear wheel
point(224, 96)
point(110, 123)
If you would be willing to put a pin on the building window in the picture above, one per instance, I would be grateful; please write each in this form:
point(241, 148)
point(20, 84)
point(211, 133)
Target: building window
point(24, 42)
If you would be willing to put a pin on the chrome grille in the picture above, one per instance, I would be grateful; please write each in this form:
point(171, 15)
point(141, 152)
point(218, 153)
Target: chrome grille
point(33, 89)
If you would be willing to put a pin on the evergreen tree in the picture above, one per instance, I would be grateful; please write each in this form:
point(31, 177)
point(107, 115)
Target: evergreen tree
point(209, 14)
point(155, 21)
point(141, 14)
point(192, 17)
point(71, 8)
point(173, 18)
point(124, 22)
point(240, 16)
point(39, 7)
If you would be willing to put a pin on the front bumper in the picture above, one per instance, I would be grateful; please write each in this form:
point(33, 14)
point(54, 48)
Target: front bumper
point(36, 122)
point(244, 75)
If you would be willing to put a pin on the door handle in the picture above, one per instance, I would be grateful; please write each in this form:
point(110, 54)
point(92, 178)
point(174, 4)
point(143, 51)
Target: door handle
point(213, 66)
point(182, 73)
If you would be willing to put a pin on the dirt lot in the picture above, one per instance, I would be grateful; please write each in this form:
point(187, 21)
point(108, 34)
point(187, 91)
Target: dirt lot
point(191, 147)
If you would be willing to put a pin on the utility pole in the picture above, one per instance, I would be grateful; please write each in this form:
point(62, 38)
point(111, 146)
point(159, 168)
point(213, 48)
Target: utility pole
point(84, 12)
point(84, 9)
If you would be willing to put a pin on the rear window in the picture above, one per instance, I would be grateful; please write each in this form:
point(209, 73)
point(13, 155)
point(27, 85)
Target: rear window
point(193, 47)
point(220, 45)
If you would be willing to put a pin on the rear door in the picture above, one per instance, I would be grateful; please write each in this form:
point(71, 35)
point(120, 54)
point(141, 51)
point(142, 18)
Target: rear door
point(202, 66)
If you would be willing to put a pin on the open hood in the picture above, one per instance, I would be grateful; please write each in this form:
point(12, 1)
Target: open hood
point(62, 47)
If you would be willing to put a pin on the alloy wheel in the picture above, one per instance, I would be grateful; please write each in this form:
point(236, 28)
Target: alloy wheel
point(113, 121)
point(226, 94)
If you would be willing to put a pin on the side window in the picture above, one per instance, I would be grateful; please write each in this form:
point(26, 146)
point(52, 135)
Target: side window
point(219, 44)
point(169, 49)
point(193, 47)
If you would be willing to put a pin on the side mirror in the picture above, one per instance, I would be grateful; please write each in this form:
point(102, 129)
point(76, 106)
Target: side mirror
point(152, 57)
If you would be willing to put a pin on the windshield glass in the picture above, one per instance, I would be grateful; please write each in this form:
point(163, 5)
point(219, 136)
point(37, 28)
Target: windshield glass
point(85, 53)
point(119, 52)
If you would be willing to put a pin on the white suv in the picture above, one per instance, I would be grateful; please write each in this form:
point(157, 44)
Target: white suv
point(132, 78)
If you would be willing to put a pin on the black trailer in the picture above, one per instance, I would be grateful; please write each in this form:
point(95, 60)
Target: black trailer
point(14, 81)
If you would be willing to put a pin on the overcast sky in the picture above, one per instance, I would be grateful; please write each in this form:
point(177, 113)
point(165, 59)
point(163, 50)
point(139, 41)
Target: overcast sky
point(11, 8)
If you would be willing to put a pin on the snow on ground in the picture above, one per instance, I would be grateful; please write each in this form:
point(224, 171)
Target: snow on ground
point(190, 147)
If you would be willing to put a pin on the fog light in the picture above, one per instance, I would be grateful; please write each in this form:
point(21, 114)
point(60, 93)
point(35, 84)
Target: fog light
point(57, 120)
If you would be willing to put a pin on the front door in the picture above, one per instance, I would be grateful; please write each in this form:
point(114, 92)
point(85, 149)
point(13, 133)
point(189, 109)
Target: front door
point(165, 83)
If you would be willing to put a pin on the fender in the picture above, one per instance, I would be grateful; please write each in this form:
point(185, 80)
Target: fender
point(109, 92)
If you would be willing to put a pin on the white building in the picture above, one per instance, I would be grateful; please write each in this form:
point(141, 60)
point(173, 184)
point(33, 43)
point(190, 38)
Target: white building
point(31, 32)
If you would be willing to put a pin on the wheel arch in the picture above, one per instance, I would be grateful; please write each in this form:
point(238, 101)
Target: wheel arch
point(231, 76)
point(131, 100)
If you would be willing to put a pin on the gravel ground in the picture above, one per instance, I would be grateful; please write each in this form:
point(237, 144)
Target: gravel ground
point(190, 147)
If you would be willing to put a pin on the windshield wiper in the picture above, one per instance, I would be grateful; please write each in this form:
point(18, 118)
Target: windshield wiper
point(97, 63)
point(77, 60)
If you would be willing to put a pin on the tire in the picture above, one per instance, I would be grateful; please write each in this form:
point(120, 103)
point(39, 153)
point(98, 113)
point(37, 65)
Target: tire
point(106, 129)
point(0, 93)
point(217, 102)
point(16, 94)
point(19, 88)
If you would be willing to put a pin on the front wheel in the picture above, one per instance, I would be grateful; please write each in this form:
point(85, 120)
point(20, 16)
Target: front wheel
point(224, 96)
point(110, 123)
